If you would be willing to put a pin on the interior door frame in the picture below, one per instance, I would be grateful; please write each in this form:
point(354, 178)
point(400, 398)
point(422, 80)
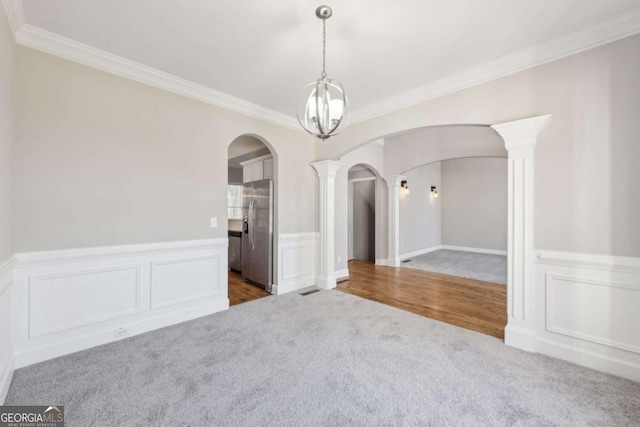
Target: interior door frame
point(350, 214)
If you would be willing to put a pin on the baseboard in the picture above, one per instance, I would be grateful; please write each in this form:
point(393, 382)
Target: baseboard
point(83, 341)
point(140, 287)
point(293, 285)
point(476, 250)
point(586, 310)
point(419, 252)
point(520, 338)
point(327, 282)
point(382, 262)
point(6, 375)
point(597, 361)
point(341, 275)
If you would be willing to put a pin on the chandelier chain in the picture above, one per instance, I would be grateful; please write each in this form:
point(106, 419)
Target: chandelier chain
point(324, 49)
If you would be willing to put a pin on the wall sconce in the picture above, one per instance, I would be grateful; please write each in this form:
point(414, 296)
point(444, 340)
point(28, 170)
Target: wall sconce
point(434, 191)
point(404, 185)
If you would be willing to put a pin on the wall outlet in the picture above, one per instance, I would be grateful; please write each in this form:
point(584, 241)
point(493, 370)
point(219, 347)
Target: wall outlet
point(213, 222)
point(121, 332)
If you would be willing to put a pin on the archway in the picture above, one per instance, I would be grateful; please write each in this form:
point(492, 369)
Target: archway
point(252, 218)
point(519, 138)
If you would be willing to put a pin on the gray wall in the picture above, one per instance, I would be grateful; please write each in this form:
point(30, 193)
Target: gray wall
point(420, 213)
point(364, 220)
point(418, 147)
point(7, 65)
point(586, 172)
point(235, 175)
point(473, 195)
point(101, 160)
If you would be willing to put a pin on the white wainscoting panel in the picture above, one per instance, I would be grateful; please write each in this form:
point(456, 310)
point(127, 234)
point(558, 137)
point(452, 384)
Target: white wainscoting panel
point(64, 301)
point(6, 342)
point(198, 278)
point(71, 300)
point(588, 310)
point(297, 261)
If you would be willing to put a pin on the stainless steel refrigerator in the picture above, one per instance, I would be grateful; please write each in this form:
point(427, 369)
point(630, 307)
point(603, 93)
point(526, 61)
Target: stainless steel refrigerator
point(257, 233)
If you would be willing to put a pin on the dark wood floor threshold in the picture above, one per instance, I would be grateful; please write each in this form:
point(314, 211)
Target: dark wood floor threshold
point(471, 304)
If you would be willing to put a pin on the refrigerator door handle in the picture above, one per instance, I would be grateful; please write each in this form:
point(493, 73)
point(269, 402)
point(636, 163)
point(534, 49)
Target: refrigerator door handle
point(253, 214)
point(250, 221)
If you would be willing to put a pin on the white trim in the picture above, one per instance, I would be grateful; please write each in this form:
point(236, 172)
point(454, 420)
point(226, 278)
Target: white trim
point(81, 342)
point(575, 295)
point(419, 252)
point(28, 35)
point(614, 29)
point(6, 375)
point(475, 250)
point(256, 160)
point(6, 274)
point(381, 262)
point(368, 178)
point(54, 44)
point(137, 315)
point(15, 14)
point(576, 259)
point(290, 237)
point(341, 274)
point(81, 254)
point(297, 257)
point(599, 362)
point(326, 170)
point(521, 338)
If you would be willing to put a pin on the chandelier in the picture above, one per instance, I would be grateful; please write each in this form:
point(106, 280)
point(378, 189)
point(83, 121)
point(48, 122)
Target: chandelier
point(323, 108)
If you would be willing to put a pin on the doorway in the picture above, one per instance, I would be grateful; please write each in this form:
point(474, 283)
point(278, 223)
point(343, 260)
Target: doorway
point(251, 212)
point(362, 214)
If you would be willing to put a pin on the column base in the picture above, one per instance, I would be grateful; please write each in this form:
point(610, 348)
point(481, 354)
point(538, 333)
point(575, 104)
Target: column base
point(524, 339)
point(393, 262)
point(327, 282)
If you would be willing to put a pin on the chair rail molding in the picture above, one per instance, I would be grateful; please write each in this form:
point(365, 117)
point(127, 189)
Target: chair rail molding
point(327, 170)
point(520, 139)
point(393, 219)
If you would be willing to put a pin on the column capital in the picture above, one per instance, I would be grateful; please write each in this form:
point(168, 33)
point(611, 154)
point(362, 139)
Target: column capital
point(394, 180)
point(522, 133)
point(327, 168)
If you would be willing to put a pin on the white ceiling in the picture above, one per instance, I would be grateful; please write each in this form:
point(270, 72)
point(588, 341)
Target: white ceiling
point(265, 52)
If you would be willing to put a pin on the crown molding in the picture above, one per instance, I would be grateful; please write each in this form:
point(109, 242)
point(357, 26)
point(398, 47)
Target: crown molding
point(607, 32)
point(45, 41)
point(39, 39)
point(15, 14)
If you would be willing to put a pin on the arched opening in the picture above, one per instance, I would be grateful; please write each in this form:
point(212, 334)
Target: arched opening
point(515, 140)
point(252, 218)
point(362, 213)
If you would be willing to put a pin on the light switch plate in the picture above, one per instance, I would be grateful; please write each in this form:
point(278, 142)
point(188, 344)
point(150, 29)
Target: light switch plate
point(213, 222)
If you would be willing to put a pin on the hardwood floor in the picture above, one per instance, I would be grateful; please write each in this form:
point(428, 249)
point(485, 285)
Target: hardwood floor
point(471, 304)
point(240, 291)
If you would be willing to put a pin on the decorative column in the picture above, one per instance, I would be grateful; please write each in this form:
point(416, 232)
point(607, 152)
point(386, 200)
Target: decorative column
point(327, 170)
point(393, 220)
point(520, 138)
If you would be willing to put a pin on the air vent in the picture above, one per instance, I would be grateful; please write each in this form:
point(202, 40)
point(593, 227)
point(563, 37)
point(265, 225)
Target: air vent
point(313, 291)
point(406, 260)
